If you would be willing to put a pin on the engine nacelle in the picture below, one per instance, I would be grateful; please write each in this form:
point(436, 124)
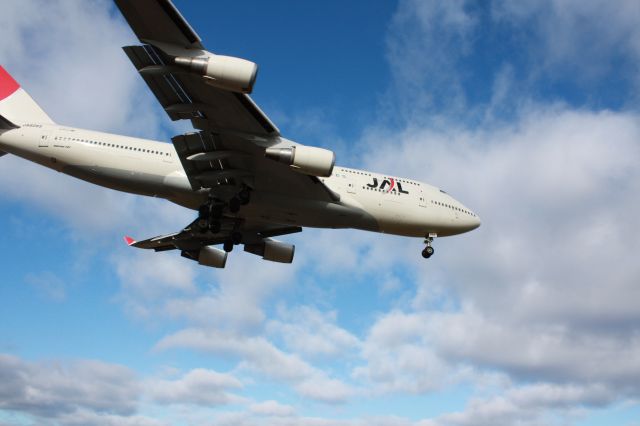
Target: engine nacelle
point(272, 250)
point(211, 256)
point(305, 159)
point(224, 72)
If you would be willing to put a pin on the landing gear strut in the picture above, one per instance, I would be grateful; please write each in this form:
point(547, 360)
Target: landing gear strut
point(209, 216)
point(428, 250)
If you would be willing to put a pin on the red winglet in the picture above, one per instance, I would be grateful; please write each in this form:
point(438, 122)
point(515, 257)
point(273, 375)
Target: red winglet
point(7, 84)
point(130, 241)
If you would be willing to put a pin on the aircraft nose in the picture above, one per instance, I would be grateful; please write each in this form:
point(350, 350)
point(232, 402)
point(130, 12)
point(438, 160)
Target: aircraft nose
point(470, 222)
point(475, 222)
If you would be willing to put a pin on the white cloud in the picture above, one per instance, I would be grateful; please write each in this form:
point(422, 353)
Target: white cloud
point(198, 386)
point(149, 274)
point(585, 38)
point(544, 290)
point(272, 408)
point(75, 69)
point(322, 388)
point(311, 332)
point(400, 358)
point(235, 300)
point(257, 354)
point(424, 44)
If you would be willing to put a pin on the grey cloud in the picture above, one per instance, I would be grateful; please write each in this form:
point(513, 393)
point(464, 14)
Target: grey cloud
point(52, 389)
point(530, 405)
point(91, 418)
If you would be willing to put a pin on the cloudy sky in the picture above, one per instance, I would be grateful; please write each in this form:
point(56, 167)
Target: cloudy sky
point(527, 111)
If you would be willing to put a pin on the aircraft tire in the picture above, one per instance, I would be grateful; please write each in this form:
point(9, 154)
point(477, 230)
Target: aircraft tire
point(228, 246)
point(427, 252)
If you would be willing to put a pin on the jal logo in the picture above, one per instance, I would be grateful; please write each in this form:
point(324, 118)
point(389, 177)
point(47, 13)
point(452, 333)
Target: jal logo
point(388, 185)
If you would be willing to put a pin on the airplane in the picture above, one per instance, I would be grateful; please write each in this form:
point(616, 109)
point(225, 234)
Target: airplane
point(246, 181)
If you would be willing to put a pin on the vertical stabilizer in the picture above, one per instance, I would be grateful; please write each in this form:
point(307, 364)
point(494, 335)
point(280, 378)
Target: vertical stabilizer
point(16, 105)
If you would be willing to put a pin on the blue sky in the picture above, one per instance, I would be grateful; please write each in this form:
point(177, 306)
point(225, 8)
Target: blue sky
point(526, 111)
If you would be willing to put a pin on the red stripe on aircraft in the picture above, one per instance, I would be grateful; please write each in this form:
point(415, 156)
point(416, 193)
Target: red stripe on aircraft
point(7, 84)
point(393, 183)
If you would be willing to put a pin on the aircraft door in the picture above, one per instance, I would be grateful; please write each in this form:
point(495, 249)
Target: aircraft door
point(45, 140)
point(422, 199)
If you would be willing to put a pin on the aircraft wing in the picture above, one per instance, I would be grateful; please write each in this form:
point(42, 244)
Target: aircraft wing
point(190, 239)
point(231, 131)
point(158, 20)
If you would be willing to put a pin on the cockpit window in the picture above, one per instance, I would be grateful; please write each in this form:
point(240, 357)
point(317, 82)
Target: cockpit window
point(442, 191)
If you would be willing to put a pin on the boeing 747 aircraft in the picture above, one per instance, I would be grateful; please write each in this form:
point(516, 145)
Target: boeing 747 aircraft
point(246, 181)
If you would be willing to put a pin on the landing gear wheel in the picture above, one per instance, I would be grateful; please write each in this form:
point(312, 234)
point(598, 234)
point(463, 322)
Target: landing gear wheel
point(427, 252)
point(234, 205)
point(228, 246)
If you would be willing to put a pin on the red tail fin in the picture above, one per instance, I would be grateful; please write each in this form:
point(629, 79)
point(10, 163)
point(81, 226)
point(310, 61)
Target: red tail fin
point(7, 84)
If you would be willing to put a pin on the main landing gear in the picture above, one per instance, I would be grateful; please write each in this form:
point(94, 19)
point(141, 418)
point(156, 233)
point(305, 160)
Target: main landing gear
point(428, 250)
point(211, 213)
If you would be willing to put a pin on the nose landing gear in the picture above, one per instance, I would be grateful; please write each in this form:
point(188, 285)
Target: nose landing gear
point(428, 250)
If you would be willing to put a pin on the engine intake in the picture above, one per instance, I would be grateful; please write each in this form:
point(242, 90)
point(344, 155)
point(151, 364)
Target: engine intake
point(224, 72)
point(305, 159)
point(272, 250)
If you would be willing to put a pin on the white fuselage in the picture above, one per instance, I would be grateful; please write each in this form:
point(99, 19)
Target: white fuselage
point(367, 200)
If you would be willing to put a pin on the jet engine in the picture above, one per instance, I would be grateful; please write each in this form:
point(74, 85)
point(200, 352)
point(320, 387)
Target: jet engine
point(305, 159)
point(224, 72)
point(272, 250)
point(211, 256)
